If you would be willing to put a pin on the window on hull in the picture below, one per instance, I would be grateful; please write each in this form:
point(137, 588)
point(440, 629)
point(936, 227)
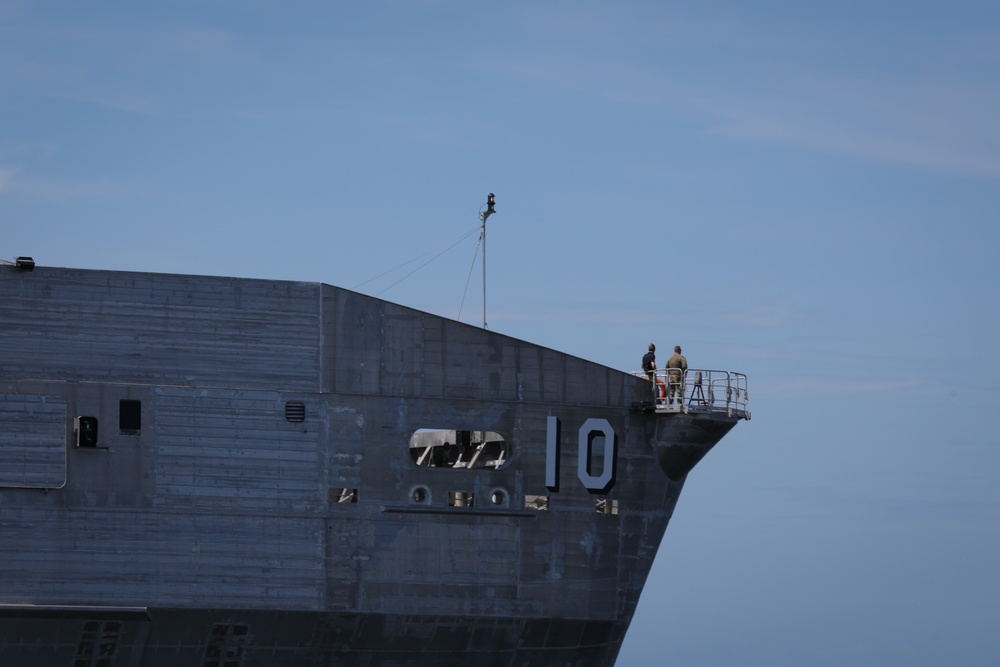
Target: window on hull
point(607, 506)
point(343, 496)
point(129, 417)
point(438, 448)
point(537, 503)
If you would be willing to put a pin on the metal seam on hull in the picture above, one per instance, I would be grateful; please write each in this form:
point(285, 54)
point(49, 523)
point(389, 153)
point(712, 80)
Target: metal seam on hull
point(457, 512)
point(71, 611)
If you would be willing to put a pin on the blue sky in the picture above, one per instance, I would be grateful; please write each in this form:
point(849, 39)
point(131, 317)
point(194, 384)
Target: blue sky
point(804, 192)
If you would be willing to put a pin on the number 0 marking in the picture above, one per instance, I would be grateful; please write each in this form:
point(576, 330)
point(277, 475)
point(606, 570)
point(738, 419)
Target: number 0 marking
point(593, 430)
point(607, 477)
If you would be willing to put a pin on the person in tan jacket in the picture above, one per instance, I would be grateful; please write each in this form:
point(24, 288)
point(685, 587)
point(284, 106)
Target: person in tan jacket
point(677, 367)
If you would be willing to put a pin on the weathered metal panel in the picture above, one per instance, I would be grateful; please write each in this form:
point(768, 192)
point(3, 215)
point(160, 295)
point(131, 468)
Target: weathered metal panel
point(108, 557)
point(163, 329)
point(32, 441)
point(226, 451)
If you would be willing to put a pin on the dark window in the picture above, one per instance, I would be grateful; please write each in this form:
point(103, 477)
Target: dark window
point(129, 416)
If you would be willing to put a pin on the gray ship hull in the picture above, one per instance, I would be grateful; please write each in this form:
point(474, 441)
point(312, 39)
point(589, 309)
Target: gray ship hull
point(213, 471)
point(167, 638)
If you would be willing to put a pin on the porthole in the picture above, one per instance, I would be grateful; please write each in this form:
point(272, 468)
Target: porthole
point(499, 497)
point(420, 495)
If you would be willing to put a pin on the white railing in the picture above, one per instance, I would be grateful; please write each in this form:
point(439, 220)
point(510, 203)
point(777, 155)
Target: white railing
point(699, 390)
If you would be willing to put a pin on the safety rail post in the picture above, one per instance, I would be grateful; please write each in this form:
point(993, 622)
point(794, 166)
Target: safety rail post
point(692, 388)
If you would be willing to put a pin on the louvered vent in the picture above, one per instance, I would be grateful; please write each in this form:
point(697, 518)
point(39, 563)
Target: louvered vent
point(295, 411)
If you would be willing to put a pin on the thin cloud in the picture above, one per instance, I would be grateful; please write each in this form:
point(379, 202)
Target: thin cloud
point(833, 386)
point(60, 80)
point(13, 185)
point(928, 124)
point(778, 314)
point(113, 74)
point(7, 179)
point(200, 45)
point(804, 93)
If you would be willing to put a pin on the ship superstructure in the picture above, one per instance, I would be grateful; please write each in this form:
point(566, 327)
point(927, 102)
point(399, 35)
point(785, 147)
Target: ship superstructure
point(219, 472)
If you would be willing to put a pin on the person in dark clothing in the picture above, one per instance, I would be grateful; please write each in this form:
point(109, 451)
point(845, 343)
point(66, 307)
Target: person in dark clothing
point(677, 366)
point(649, 363)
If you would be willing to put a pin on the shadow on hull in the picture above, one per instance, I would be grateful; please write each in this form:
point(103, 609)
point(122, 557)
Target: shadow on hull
point(685, 440)
point(78, 637)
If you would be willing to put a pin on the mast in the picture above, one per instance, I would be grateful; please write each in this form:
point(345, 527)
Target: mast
point(482, 216)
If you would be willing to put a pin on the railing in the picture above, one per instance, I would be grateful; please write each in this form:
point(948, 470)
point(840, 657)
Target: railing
point(699, 390)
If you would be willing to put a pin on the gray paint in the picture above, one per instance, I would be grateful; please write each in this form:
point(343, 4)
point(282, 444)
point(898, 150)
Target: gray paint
point(32, 441)
point(219, 521)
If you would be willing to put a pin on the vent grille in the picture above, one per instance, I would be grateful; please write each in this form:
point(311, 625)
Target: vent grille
point(295, 411)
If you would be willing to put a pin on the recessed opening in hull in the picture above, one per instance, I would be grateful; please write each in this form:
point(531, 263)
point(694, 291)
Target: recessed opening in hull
point(441, 448)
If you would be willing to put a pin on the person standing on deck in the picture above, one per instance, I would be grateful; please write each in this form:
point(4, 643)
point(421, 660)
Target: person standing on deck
point(649, 366)
point(677, 366)
point(649, 363)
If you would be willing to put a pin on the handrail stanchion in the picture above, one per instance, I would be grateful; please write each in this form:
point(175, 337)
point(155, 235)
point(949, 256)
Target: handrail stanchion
point(736, 400)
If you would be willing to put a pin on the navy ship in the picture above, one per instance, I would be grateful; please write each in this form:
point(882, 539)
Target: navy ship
point(219, 472)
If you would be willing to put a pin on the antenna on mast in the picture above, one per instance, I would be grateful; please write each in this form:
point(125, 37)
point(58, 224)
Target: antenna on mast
point(490, 210)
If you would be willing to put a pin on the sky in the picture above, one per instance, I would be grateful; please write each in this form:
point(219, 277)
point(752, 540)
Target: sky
point(803, 192)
